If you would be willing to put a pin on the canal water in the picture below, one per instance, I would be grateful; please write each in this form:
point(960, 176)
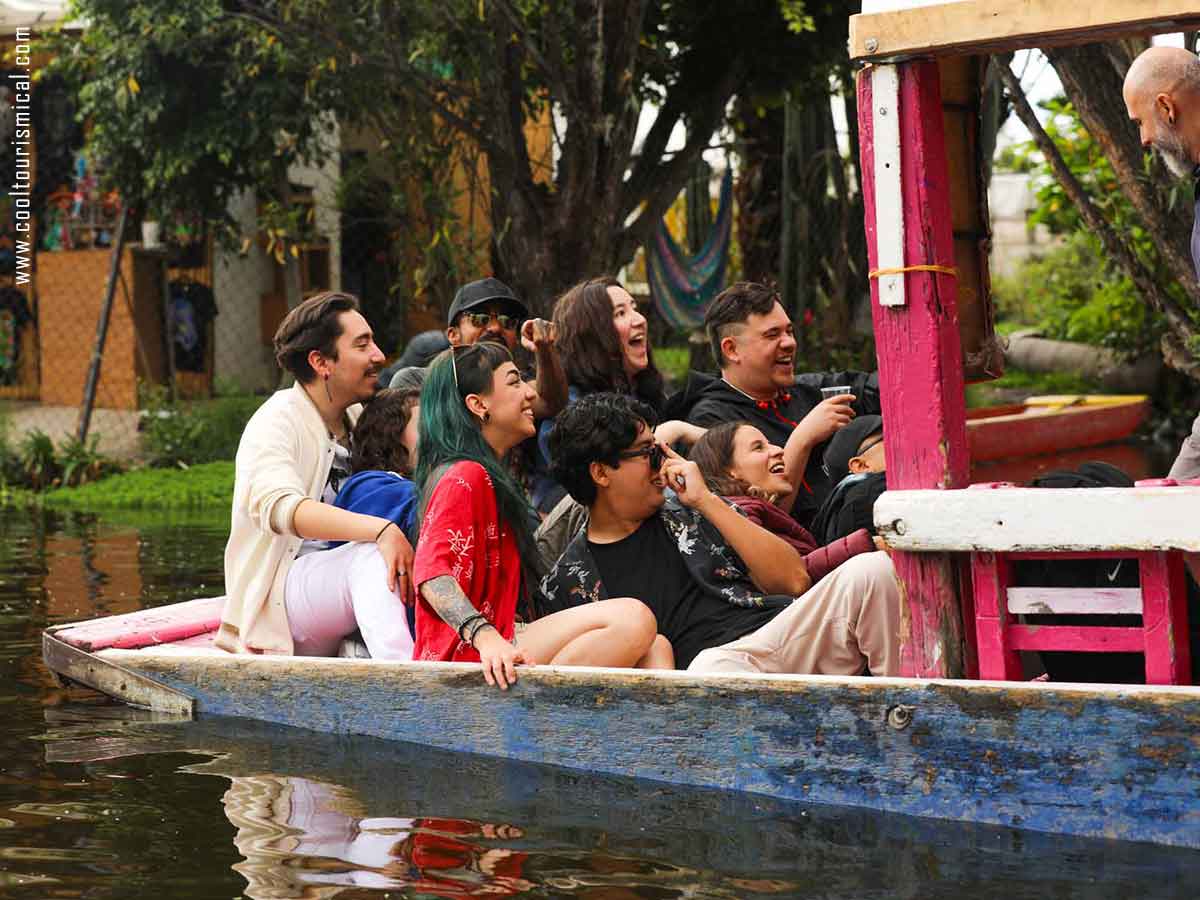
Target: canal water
point(99, 801)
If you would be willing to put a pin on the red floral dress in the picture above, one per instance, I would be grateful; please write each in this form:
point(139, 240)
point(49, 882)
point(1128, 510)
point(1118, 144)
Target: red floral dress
point(463, 536)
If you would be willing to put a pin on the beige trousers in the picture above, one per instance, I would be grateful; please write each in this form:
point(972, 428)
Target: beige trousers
point(849, 621)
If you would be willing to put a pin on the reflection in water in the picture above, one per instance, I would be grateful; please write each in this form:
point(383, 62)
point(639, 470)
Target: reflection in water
point(101, 801)
point(305, 838)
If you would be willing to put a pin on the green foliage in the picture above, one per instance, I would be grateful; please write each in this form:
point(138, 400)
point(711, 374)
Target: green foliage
point(81, 462)
point(188, 103)
point(204, 486)
point(182, 434)
point(1072, 294)
point(39, 464)
point(1075, 293)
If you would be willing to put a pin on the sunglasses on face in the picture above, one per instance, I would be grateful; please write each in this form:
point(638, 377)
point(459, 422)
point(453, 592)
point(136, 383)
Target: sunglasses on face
point(483, 319)
point(653, 452)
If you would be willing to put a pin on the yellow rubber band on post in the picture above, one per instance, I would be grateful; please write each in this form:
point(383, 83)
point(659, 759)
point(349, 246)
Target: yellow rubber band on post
point(940, 270)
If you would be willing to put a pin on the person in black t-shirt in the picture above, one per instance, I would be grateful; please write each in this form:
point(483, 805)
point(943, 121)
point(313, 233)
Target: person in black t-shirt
point(729, 596)
point(753, 342)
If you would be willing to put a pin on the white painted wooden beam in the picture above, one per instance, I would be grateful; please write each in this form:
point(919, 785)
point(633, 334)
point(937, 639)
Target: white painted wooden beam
point(889, 200)
point(1075, 601)
point(1016, 519)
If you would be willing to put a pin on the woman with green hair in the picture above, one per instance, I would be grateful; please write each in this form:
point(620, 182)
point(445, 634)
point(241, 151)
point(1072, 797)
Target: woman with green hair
point(477, 528)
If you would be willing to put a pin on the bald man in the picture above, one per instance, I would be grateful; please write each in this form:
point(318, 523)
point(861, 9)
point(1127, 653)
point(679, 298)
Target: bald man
point(1162, 97)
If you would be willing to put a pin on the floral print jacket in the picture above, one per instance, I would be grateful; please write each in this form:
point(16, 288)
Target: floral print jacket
point(716, 567)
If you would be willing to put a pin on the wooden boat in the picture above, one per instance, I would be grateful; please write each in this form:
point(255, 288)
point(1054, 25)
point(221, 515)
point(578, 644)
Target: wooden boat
point(1101, 761)
point(1053, 423)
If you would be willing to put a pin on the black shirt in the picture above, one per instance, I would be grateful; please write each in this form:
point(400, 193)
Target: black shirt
point(647, 565)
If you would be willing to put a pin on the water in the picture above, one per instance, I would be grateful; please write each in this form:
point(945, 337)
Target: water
point(100, 801)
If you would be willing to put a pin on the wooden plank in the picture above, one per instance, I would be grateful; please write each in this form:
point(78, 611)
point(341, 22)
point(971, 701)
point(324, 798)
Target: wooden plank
point(920, 357)
point(986, 26)
point(1076, 638)
point(990, 577)
point(977, 751)
point(1039, 519)
point(143, 627)
point(112, 679)
point(1165, 619)
point(1075, 601)
point(889, 203)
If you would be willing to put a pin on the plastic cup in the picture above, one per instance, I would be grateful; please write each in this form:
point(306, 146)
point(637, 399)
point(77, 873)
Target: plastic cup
point(838, 390)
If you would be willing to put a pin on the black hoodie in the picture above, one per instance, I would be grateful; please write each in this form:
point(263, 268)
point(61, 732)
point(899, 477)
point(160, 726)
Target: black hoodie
point(707, 400)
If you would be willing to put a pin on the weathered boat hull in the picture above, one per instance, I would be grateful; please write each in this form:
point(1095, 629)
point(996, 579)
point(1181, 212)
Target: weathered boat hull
point(1052, 424)
point(1116, 762)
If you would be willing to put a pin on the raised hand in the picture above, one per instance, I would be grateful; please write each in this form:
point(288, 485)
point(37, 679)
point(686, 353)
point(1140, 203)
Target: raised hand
point(684, 478)
point(826, 418)
point(537, 334)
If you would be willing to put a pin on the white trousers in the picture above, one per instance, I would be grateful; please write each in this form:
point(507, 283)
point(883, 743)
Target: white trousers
point(332, 592)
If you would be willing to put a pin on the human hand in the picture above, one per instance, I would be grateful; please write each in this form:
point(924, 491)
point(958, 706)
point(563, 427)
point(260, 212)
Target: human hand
point(499, 658)
point(538, 334)
point(675, 430)
point(826, 418)
point(397, 555)
point(684, 478)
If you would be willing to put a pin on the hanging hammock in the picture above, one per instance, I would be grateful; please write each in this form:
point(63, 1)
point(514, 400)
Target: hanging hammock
point(681, 284)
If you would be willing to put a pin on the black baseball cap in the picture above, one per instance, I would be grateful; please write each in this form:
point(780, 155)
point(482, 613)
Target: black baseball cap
point(844, 445)
point(486, 290)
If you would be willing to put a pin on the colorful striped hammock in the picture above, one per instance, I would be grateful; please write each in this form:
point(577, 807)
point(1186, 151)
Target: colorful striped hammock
point(681, 285)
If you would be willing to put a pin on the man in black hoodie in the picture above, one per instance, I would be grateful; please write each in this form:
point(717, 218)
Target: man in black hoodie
point(754, 343)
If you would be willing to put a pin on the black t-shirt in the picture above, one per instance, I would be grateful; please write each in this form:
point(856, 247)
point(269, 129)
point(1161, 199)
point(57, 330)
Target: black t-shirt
point(647, 565)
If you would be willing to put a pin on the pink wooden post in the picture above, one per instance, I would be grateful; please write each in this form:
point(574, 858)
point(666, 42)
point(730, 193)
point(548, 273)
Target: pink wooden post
point(991, 575)
point(1164, 618)
point(916, 336)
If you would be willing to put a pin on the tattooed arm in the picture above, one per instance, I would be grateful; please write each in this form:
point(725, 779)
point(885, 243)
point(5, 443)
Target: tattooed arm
point(453, 607)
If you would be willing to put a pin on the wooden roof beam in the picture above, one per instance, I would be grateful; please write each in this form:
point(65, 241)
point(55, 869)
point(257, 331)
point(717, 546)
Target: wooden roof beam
point(989, 26)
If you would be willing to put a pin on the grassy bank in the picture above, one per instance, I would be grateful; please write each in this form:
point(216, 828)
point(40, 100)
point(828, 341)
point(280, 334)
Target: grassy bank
point(206, 486)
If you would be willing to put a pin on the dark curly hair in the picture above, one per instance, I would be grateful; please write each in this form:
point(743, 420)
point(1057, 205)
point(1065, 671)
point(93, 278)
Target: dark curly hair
point(734, 306)
point(590, 348)
point(595, 428)
point(379, 430)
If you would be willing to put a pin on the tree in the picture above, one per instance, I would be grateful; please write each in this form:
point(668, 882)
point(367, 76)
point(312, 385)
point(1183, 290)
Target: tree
point(1145, 227)
point(497, 71)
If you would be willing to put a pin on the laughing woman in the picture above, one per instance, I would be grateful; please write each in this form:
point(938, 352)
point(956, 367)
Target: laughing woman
point(477, 530)
point(604, 343)
point(739, 464)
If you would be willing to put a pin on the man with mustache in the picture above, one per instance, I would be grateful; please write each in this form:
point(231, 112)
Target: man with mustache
point(283, 596)
point(754, 343)
point(488, 310)
point(1162, 97)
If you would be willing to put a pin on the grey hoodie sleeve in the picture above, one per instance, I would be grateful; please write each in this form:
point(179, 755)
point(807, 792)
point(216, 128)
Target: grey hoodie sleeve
point(1187, 463)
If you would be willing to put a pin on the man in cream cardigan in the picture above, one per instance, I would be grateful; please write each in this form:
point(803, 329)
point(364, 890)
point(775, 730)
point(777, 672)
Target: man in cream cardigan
point(286, 592)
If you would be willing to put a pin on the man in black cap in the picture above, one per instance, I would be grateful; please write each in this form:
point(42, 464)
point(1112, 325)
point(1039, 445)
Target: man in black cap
point(855, 465)
point(488, 310)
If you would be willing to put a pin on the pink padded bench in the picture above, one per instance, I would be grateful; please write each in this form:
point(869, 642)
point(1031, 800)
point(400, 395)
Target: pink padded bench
point(147, 627)
point(1161, 601)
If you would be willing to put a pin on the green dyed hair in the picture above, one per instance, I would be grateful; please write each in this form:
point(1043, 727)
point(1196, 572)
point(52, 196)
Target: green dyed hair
point(448, 433)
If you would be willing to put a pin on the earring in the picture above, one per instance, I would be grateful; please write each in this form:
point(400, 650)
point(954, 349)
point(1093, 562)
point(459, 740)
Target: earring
point(487, 417)
point(328, 396)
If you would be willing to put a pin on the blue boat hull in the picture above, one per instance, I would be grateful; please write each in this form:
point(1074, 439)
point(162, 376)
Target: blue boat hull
point(1115, 762)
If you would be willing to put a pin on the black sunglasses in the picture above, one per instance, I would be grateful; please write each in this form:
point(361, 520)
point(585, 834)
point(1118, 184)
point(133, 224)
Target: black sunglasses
point(653, 452)
point(483, 319)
